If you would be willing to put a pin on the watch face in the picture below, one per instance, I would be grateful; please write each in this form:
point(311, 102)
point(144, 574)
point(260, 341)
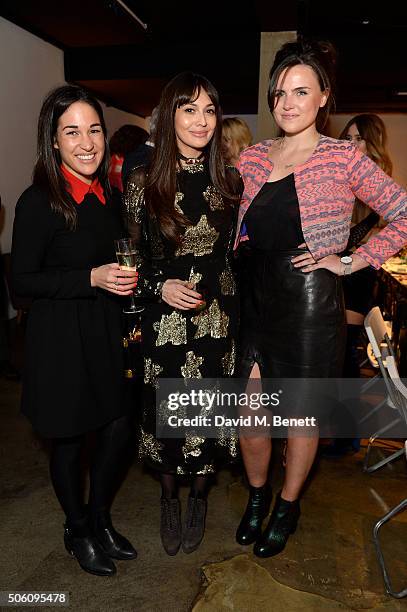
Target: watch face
point(347, 259)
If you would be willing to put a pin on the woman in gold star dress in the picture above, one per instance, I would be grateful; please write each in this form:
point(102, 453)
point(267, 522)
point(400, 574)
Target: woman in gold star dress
point(182, 213)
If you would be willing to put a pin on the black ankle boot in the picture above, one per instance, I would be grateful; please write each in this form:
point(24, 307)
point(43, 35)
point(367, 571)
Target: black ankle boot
point(256, 511)
point(113, 543)
point(170, 528)
point(283, 522)
point(194, 526)
point(88, 552)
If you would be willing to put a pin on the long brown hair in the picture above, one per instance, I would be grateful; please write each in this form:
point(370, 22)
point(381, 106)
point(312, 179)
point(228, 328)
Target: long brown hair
point(47, 170)
point(373, 131)
point(318, 55)
point(161, 181)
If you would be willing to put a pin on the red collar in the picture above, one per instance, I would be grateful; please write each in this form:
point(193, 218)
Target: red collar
point(79, 189)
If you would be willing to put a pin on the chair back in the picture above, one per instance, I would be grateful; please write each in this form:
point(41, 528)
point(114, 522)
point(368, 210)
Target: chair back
point(397, 389)
point(377, 333)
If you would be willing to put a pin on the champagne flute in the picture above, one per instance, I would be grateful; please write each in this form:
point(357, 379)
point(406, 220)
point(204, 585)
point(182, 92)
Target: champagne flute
point(126, 258)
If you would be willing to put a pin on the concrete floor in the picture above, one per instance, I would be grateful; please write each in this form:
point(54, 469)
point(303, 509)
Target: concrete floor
point(329, 564)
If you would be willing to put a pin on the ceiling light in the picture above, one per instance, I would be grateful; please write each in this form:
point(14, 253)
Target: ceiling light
point(130, 12)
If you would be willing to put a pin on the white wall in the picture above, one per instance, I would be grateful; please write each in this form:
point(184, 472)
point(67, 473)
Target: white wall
point(115, 118)
point(29, 69)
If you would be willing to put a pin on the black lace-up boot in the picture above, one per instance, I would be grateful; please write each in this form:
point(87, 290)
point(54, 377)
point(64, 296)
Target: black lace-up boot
point(170, 529)
point(194, 525)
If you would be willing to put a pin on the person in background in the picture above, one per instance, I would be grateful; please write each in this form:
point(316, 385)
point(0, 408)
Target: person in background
point(295, 214)
point(63, 257)
point(182, 213)
point(143, 153)
point(127, 138)
point(236, 136)
point(368, 133)
point(7, 370)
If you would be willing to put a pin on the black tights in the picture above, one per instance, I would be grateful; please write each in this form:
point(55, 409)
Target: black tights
point(170, 489)
point(106, 469)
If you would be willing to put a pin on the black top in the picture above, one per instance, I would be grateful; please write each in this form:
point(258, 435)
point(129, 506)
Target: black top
point(140, 157)
point(273, 219)
point(73, 376)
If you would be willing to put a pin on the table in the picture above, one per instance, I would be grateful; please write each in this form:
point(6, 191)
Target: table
point(392, 299)
point(392, 291)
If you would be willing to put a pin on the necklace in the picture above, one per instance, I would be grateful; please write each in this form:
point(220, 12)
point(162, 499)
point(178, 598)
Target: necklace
point(280, 153)
point(190, 161)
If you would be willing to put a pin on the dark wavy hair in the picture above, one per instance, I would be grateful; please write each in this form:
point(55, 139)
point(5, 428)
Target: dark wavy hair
point(161, 182)
point(47, 170)
point(127, 138)
point(318, 55)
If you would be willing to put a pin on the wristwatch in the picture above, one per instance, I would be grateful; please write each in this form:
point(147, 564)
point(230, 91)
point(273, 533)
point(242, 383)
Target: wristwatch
point(347, 261)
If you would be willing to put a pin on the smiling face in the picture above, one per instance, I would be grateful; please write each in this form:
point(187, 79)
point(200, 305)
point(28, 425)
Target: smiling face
point(298, 98)
point(194, 124)
point(354, 136)
point(80, 140)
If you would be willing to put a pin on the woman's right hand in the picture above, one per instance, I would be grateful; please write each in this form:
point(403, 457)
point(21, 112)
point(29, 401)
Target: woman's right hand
point(180, 294)
point(111, 278)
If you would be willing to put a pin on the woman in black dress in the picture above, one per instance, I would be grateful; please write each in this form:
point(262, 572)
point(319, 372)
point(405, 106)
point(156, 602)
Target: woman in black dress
point(63, 248)
point(182, 212)
point(368, 132)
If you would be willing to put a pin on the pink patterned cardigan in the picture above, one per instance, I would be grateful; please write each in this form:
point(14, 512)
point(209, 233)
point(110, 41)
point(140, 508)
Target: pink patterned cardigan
point(327, 185)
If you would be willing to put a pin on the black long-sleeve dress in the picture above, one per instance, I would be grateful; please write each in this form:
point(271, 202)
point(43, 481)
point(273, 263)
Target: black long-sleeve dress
point(73, 374)
point(185, 344)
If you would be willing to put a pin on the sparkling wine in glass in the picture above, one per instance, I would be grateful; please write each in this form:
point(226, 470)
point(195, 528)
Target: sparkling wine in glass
point(126, 258)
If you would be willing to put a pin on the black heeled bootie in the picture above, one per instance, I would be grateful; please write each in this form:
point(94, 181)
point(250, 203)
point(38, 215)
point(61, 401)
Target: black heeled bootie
point(194, 526)
point(84, 546)
point(113, 543)
point(170, 528)
point(256, 511)
point(283, 522)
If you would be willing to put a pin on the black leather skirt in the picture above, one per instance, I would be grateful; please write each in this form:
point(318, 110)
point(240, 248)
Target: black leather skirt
point(292, 324)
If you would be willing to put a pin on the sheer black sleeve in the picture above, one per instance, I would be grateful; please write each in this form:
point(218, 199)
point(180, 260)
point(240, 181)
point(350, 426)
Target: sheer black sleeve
point(359, 231)
point(151, 277)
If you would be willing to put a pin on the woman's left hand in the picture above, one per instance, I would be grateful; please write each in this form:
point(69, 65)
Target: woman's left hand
point(307, 263)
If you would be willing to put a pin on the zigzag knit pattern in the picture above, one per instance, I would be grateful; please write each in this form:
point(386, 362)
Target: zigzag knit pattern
point(327, 185)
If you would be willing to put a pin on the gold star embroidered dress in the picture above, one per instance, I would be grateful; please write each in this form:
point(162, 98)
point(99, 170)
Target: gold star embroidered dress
point(185, 344)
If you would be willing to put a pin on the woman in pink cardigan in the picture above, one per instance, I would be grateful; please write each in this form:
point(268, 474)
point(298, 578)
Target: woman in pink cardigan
point(295, 214)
